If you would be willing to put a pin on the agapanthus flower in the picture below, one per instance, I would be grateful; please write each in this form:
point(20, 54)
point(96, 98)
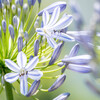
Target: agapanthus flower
point(22, 72)
point(51, 28)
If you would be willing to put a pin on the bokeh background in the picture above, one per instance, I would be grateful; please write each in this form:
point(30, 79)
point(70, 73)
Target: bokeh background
point(75, 82)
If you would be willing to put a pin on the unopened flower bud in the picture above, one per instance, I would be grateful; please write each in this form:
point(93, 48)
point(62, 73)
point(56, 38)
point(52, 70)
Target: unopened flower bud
point(31, 57)
point(19, 11)
point(4, 25)
point(33, 88)
point(8, 5)
point(16, 3)
point(74, 50)
point(20, 44)
point(60, 64)
point(5, 2)
point(36, 24)
point(56, 53)
point(31, 2)
point(63, 96)
point(4, 13)
point(26, 36)
point(15, 21)
point(11, 31)
point(21, 2)
point(37, 19)
point(39, 1)
point(13, 9)
point(57, 83)
point(0, 4)
point(25, 8)
point(36, 47)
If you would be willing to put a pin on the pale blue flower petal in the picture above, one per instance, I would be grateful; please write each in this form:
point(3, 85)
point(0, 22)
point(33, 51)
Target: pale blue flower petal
point(32, 64)
point(45, 18)
point(54, 16)
point(11, 65)
point(23, 84)
point(63, 96)
point(11, 77)
point(80, 68)
point(51, 8)
point(82, 59)
point(41, 33)
point(51, 42)
point(62, 36)
point(39, 30)
point(21, 59)
point(63, 23)
point(35, 74)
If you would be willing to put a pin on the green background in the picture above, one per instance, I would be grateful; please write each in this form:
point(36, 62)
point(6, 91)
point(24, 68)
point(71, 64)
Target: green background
point(75, 82)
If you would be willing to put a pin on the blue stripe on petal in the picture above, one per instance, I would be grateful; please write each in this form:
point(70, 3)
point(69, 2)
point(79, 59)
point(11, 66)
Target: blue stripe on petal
point(51, 8)
point(74, 50)
point(62, 36)
point(21, 59)
point(80, 68)
point(45, 18)
point(33, 88)
point(63, 96)
point(63, 23)
point(23, 85)
point(32, 64)
point(51, 42)
point(35, 74)
point(39, 29)
point(54, 16)
point(11, 65)
point(11, 77)
point(82, 59)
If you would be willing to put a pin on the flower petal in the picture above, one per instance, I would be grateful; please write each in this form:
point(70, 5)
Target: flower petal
point(39, 29)
point(80, 68)
point(23, 84)
point(62, 36)
point(35, 74)
point(63, 96)
point(45, 17)
point(51, 8)
point(32, 64)
point(63, 23)
point(82, 59)
point(11, 77)
point(74, 50)
point(21, 59)
point(51, 42)
point(54, 16)
point(11, 65)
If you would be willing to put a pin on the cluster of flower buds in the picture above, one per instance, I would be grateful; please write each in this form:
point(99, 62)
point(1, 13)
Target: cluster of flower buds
point(36, 49)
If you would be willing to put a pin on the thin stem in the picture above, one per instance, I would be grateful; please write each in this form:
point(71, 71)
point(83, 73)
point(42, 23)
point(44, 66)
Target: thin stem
point(32, 24)
point(51, 71)
point(26, 24)
point(8, 89)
